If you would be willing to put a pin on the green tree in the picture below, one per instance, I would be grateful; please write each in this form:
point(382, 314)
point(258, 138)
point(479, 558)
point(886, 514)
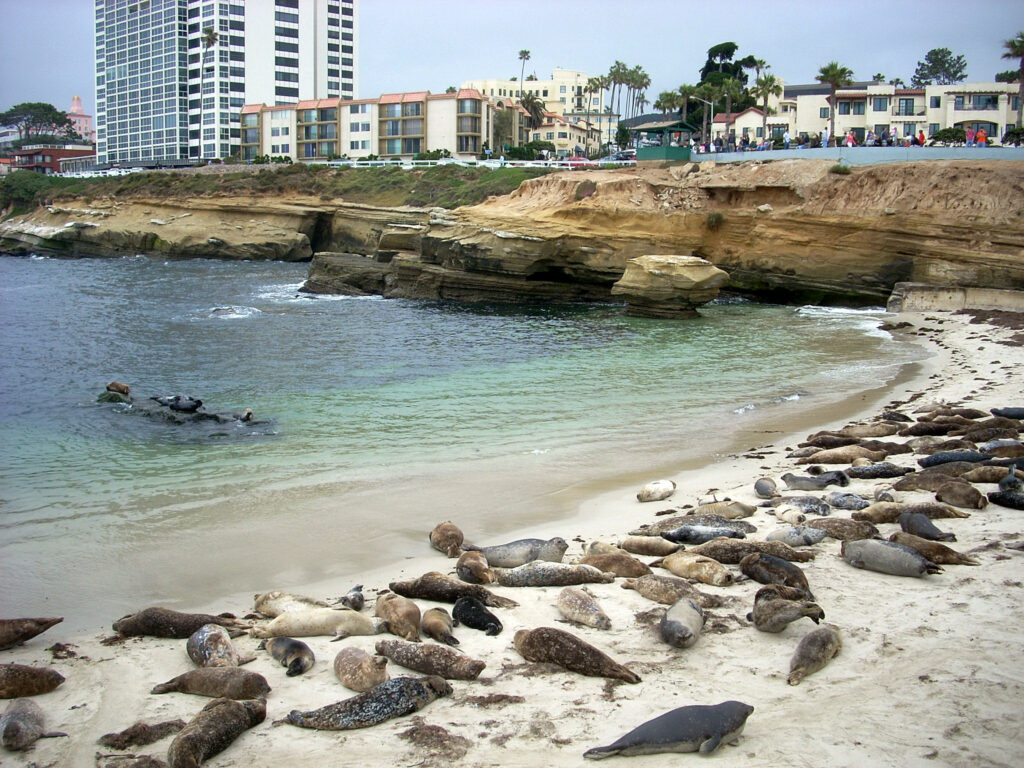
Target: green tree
point(667, 101)
point(878, 77)
point(686, 92)
point(209, 41)
point(503, 127)
point(711, 93)
point(1015, 50)
point(732, 90)
point(835, 76)
point(622, 136)
point(940, 67)
point(37, 118)
point(1009, 76)
point(524, 56)
point(718, 56)
point(534, 107)
point(767, 86)
point(594, 85)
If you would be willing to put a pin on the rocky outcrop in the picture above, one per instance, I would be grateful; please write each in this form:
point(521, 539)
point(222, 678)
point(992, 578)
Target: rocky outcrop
point(669, 285)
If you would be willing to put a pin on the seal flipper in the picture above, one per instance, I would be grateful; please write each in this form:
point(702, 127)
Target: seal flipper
point(52, 735)
point(711, 744)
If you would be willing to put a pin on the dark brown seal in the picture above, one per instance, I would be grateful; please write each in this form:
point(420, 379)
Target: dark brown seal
point(473, 568)
point(437, 660)
point(937, 553)
point(768, 569)
point(843, 529)
point(17, 680)
point(163, 622)
point(621, 565)
point(218, 683)
point(16, 631)
point(554, 646)
point(437, 625)
point(444, 589)
point(217, 725)
point(401, 614)
point(731, 551)
point(961, 495)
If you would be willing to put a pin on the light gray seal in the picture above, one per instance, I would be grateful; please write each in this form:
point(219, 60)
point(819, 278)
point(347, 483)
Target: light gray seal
point(217, 682)
point(430, 659)
point(682, 623)
point(887, 557)
point(577, 605)
point(695, 728)
point(522, 551)
point(17, 680)
point(797, 536)
point(393, 698)
point(272, 604)
point(765, 488)
point(807, 483)
point(16, 631)
point(555, 646)
point(217, 725)
point(816, 649)
point(23, 724)
point(210, 646)
point(354, 598)
point(293, 654)
point(849, 501)
point(541, 573)
point(810, 505)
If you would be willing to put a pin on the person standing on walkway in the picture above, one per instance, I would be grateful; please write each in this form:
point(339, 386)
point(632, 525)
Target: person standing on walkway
point(786, 138)
point(981, 137)
point(824, 136)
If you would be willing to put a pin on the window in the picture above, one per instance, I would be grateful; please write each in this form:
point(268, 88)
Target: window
point(328, 115)
point(906, 107)
point(285, 61)
point(287, 18)
point(934, 102)
point(858, 107)
point(844, 108)
point(823, 113)
point(908, 129)
point(291, 92)
point(286, 32)
point(392, 110)
point(392, 146)
point(469, 107)
point(561, 89)
point(880, 103)
point(289, 47)
point(393, 128)
point(411, 146)
point(412, 109)
point(550, 135)
point(563, 135)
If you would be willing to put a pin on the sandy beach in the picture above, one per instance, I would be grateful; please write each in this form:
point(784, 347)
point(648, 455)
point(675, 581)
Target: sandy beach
point(931, 671)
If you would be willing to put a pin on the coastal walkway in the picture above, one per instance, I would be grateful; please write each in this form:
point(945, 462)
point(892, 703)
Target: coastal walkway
point(867, 155)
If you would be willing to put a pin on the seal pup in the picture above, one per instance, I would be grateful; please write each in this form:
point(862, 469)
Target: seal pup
point(650, 546)
point(447, 538)
point(393, 698)
point(210, 646)
point(961, 495)
point(437, 660)
point(681, 625)
point(319, 621)
point(623, 565)
point(656, 490)
point(400, 614)
point(731, 551)
point(22, 725)
point(765, 488)
point(358, 670)
point(218, 683)
point(291, 653)
point(217, 725)
point(273, 604)
point(472, 613)
point(353, 599)
point(788, 514)
point(578, 606)
point(473, 567)
point(937, 553)
point(768, 569)
point(437, 624)
point(445, 589)
point(690, 566)
point(541, 573)
point(919, 525)
point(695, 728)
point(797, 536)
point(773, 613)
point(887, 557)
point(699, 534)
point(16, 631)
point(522, 551)
point(163, 622)
point(843, 529)
point(17, 680)
point(555, 646)
point(668, 590)
point(815, 650)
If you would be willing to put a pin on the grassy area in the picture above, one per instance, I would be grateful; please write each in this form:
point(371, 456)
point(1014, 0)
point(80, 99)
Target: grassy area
point(445, 186)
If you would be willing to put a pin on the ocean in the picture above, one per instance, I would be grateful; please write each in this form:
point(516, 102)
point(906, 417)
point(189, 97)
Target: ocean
point(373, 420)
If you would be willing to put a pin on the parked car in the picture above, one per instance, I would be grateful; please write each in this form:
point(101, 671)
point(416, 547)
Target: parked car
point(577, 163)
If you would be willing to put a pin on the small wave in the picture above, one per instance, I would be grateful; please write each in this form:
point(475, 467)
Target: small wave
point(232, 313)
point(811, 310)
point(538, 452)
point(745, 408)
point(37, 257)
point(790, 398)
point(290, 293)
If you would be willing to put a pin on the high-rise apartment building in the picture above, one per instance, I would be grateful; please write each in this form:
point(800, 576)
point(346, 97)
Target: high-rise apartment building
point(172, 75)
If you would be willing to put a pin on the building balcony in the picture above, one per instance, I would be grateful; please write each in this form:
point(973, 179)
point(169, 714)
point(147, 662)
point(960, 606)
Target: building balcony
point(908, 112)
point(976, 108)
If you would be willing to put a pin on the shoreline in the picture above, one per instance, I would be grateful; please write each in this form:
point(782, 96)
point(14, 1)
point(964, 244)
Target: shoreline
point(922, 679)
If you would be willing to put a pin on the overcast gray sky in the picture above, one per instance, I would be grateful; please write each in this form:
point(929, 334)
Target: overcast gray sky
point(409, 45)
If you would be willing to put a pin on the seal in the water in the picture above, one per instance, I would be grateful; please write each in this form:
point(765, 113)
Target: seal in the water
point(163, 622)
point(437, 660)
point(623, 565)
point(690, 566)
point(844, 529)
point(358, 670)
point(319, 621)
point(816, 649)
point(577, 605)
point(401, 614)
point(393, 698)
point(773, 613)
point(699, 534)
point(656, 490)
point(447, 537)
point(210, 646)
point(437, 624)
point(17, 680)
point(522, 551)
point(217, 725)
point(472, 613)
point(798, 536)
point(768, 569)
point(474, 568)
point(541, 573)
point(274, 603)
point(354, 598)
point(731, 551)
point(555, 646)
point(682, 623)
point(22, 725)
point(937, 553)
point(651, 546)
point(16, 631)
point(180, 403)
point(668, 590)
point(695, 728)
point(445, 589)
point(293, 654)
point(217, 682)
point(920, 525)
point(887, 557)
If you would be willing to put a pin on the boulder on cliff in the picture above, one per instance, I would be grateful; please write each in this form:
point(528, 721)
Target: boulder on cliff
point(668, 285)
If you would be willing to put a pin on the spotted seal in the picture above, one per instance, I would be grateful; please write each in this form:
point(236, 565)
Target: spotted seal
point(473, 567)
point(291, 653)
point(17, 680)
point(163, 622)
point(431, 659)
point(447, 538)
point(445, 589)
point(731, 551)
point(887, 557)
point(699, 534)
point(669, 589)
point(437, 624)
point(16, 631)
point(815, 650)
point(848, 501)
point(814, 483)
point(393, 698)
point(400, 614)
point(218, 683)
point(768, 569)
point(522, 551)
point(880, 470)
point(319, 621)
point(358, 670)
point(843, 529)
point(706, 570)
point(919, 525)
point(274, 603)
point(842, 455)
point(945, 457)
point(797, 536)
point(217, 725)
point(474, 614)
point(577, 605)
point(1008, 499)
point(788, 514)
point(681, 625)
point(937, 553)
point(210, 646)
point(659, 527)
point(773, 613)
point(656, 490)
point(810, 505)
point(23, 724)
point(541, 573)
point(555, 646)
point(694, 728)
point(617, 564)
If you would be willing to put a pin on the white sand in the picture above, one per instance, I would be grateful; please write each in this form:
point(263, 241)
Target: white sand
point(931, 672)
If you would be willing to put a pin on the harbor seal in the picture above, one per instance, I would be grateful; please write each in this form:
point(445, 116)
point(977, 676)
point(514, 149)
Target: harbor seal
point(601, 548)
point(657, 490)
point(773, 614)
point(437, 660)
point(887, 557)
point(659, 527)
point(447, 538)
point(400, 614)
point(396, 697)
point(809, 505)
point(358, 670)
point(16, 631)
point(119, 387)
point(730, 510)
point(690, 566)
point(797, 536)
point(577, 605)
point(541, 573)
point(699, 534)
point(522, 551)
point(880, 470)
point(842, 455)
point(961, 495)
point(919, 525)
point(694, 728)
point(319, 621)
point(354, 598)
point(844, 529)
point(815, 650)
point(291, 653)
point(650, 546)
point(623, 565)
point(1008, 412)
point(472, 613)
point(848, 501)
point(273, 604)
point(765, 488)
point(163, 622)
point(814, 482)
point(210, 646)
point(937, 553)
point(437, 624)
point(731, 551)
point(668, 590)
point(946, 457)
point(1009, 482)
point(1008, 499)
point(681, 625)
point(218, 683)
point(23, 724)
point(444, 589)
point(555, 646)
point(788, 514)
point(217, 725)
point(768, 569)
point(17, 680)
point(472, 567)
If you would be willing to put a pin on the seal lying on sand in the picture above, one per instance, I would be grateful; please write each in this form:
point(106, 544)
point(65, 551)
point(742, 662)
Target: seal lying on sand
point(696, 728)
point(937, 553)
point(163, 622)
point(577, 605)
point(540, 573)
point(768, 569)
point(522, 551)
point(210, 646)
point(437, 624)
point(273, 604)
point(17, 680)
point(447, 537)
point(217, 725)
point(401, 615)
point(393, 698)
point(887, 557)
point(656, 490)
point(444, 589)
point(773, 611)
point(668, 590)
point(22, 725)
point(472, 613)
point(16, 631)
point(682, 623)
point(293, 654)
point(430, 659)
point(547, 644)
point(319, 621)
point(358, 670)
point(816, 649)
point(217, 682)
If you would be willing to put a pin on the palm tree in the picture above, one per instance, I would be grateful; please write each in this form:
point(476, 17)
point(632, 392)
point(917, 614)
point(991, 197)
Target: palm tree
point(209, 40)
point(668, 101)
point(835, 76)
point(766, 86)
point(686, 92)
point(710, 93)
point(524, 56)
point(731, 90)
point(641, 82)
point(1015, 50)
point(616, 78)
point(594, 85)
point(534, 107)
